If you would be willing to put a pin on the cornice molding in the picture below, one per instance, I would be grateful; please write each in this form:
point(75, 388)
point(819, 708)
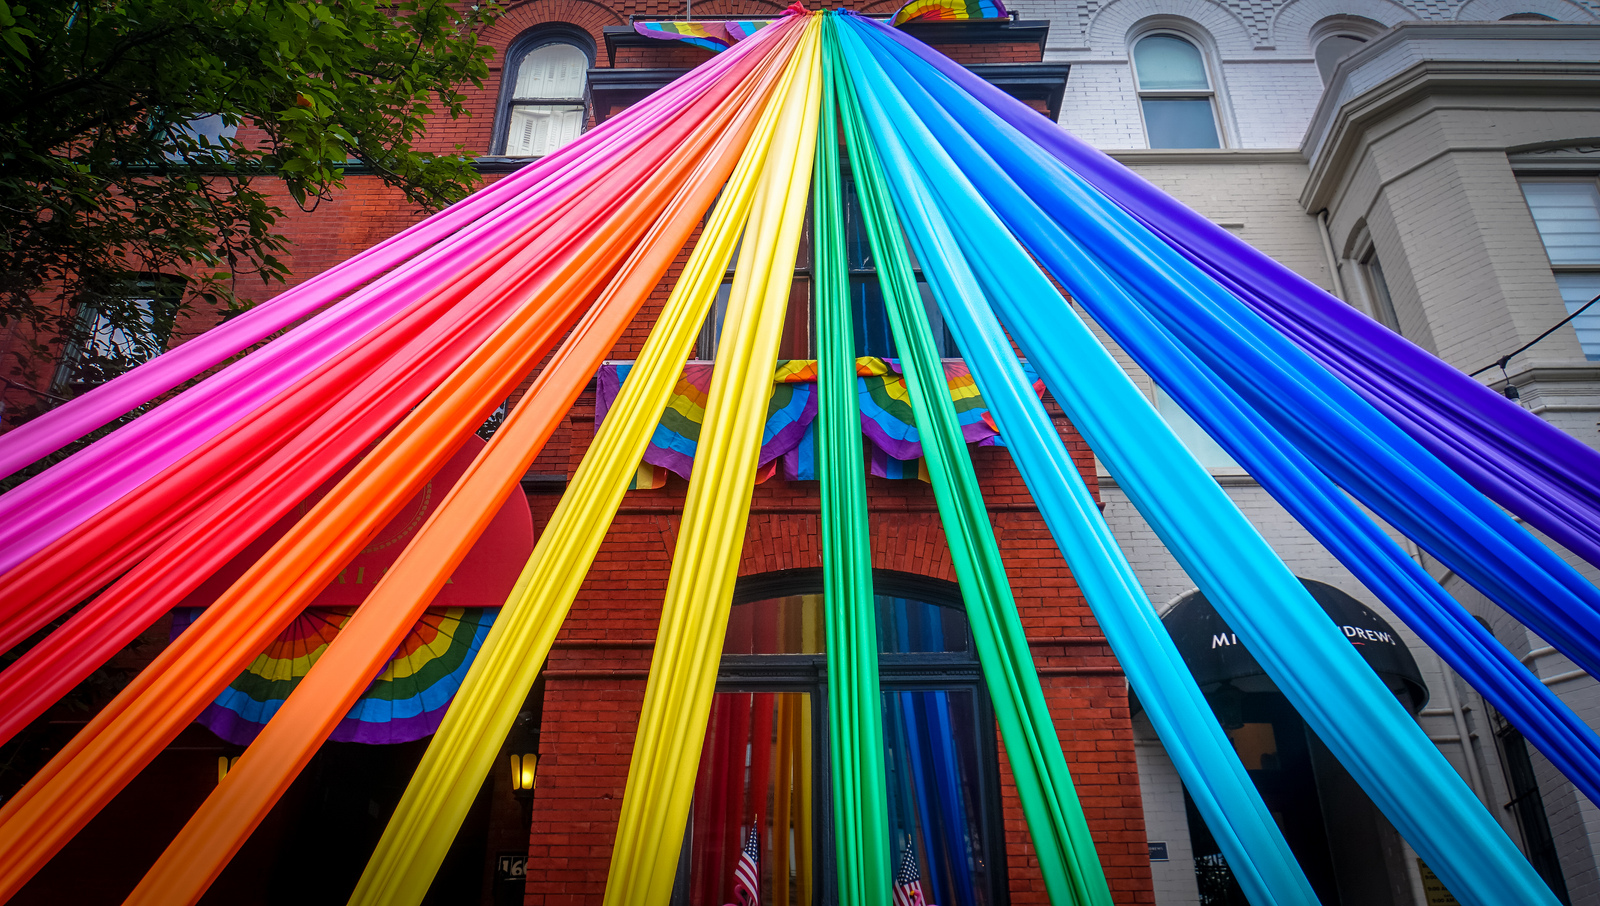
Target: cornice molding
point(1347, 126)
point(1135, 156)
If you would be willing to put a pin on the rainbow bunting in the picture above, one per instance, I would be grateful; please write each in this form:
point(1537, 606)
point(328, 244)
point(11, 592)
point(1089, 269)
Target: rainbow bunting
point(710, 34)
point(949, 10)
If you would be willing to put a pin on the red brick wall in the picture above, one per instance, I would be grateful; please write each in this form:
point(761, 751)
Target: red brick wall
point(595, 676)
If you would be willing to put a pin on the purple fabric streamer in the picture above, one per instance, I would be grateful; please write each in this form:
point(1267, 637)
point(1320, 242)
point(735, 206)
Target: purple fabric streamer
point(94, 477)
point(1515, 458)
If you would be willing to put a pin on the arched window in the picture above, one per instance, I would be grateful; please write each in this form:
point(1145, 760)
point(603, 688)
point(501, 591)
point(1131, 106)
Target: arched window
point(542, 103)
point(1175, 93)
point(764, 770)
point(1334, 48)
point(1527, 17)
point(1336, 37)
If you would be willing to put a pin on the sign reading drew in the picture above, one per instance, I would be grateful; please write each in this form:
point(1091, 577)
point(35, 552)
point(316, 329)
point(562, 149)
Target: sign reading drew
point(1216, 656)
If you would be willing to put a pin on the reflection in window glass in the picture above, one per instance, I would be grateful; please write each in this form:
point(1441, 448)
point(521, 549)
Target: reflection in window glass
point(1180, 123)
point(935, 796)
point(789, 625)
point(1567, 214)
point(794, 625)
point(1576, 289)
point(1175, 93)
point(1205, 450)
point(1169, 63)
point(754, 797)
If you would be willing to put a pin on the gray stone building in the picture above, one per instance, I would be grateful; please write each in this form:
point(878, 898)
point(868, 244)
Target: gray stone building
point(1434, 164)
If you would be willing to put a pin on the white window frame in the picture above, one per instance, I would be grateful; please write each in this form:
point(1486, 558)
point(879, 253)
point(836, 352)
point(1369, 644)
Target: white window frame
point(1215, 93)
point(526, 43)
point(1557, 270)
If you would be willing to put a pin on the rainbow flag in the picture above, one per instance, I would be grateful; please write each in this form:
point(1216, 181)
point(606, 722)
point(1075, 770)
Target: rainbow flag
point(949, 10)
point(710, 34)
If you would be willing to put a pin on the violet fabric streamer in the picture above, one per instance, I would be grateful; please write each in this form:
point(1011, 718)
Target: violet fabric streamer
point(91, 479)
point(50, 431)
point(1286, 472)
point(1517, 459)
point(1354, 443)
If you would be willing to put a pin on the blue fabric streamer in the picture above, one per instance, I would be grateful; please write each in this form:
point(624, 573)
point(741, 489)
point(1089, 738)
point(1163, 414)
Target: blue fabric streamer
point(1284, 471)
point(1523, 462)
point(1292, 638)
point(1202, 754)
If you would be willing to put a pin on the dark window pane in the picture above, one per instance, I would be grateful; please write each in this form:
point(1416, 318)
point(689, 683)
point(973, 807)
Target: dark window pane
point(910, 626)
point(870, 318)
point(935, 794)
point(1180, 123)
point(791, 625)
point(754, 800)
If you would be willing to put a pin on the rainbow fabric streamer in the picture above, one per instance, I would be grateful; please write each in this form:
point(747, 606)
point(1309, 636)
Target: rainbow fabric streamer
point(405, 702)
point(948, 11)
point(400, 353)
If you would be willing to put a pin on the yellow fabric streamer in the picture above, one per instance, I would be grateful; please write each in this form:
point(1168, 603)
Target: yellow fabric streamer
point(694, 615)
point(451, 773)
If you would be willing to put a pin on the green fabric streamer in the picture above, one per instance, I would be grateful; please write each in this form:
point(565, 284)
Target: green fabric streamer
point(855, 715)
point(1067, 859)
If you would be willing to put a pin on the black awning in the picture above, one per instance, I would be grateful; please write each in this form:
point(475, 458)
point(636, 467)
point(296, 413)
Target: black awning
point(1216, 656)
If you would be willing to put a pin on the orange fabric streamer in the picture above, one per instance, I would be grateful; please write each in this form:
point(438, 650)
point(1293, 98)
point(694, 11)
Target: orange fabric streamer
point(286, 744)
point(123, 738)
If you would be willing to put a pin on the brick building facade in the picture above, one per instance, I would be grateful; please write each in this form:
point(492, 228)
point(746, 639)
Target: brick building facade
point(588, 699)
point(1416, 149)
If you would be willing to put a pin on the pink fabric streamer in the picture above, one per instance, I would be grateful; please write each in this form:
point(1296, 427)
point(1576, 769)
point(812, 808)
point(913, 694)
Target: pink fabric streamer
point(50, 431)
point(88, 481)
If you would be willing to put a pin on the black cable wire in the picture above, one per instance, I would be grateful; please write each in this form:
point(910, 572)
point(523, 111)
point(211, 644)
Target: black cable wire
point(1501, 362)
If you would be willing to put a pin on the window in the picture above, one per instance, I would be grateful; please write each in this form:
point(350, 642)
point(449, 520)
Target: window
point(796, 340)
point(1332, 49)
point(1377, 290)
point(1527, 805)
point(542, 91)
point(873, 336)
point(764, 771)
point(1175, 93)
point(1206, 451)
point(1567, 213)
point(112, 333)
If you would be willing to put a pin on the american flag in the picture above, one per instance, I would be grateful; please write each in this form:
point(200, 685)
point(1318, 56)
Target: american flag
point(747, 874)
point(908, 879)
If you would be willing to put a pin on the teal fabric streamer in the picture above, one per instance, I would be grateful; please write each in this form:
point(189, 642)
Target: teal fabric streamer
point(1201, 752)
point(1292, 638)
point(1061, 839)
point(1286, 472)
point(855, 717)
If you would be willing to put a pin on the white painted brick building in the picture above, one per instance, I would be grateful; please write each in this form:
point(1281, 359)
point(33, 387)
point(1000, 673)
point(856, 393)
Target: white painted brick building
point(1394, 177)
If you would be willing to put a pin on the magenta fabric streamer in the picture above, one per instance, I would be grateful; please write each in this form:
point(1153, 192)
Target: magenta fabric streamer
point(91, 479)
point(1515, 458)
point(50, 431)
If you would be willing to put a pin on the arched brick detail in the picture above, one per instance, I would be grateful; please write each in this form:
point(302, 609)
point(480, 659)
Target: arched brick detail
point(738, 7)
point(1291, 28)
point(583, 14)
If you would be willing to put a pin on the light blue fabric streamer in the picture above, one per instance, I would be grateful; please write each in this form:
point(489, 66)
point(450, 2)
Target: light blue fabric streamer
point(1291, 477)
point(1367, 454)
point(1204, 757)
point(1290, 636)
